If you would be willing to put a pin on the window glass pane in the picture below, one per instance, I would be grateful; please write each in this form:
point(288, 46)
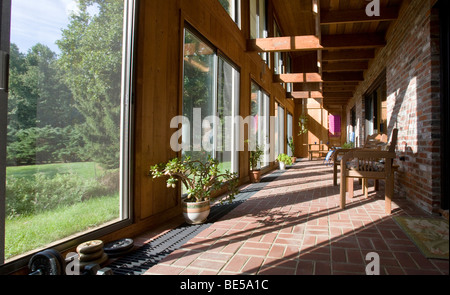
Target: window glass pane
point(281, 129)
point(289, 133)
point(198, 94)
point(64, 154)
point(227, 110)
point(233, 9)
point(278, 56)
point(260, 126)
point(265, 130)
point(277, 132)
point(258, 23)
point(262, 19)
point(289, 86)
point(254, 25)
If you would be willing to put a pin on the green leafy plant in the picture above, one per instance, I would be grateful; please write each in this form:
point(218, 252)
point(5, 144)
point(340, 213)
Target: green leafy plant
point(285, 159)
point(291, 145)
point(201, 178)
point(348, 145)
point(255, 156)
point(303, 124)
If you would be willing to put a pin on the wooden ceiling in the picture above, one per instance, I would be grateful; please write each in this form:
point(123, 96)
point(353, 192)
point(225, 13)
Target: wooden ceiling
point(348, 40)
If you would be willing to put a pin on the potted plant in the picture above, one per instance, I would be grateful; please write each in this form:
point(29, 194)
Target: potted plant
point(292, 147)
point(201, 179)
point(303, 124)
point(255, 159)
point(284, 160)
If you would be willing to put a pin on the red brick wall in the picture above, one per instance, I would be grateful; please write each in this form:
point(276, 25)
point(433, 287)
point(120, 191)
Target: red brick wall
point(411, 61)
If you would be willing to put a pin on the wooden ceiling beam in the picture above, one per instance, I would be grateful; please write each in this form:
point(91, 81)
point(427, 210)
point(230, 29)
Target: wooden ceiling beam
point(298, 78)
point(313, 86)
point(343, 77)
point(340, 103)
point(337, 88)
point(304, 94)
point(282, 44)
point(355, 41)
point(357, 16)
point(328, 95)
point(345, 66)
point(348, 55)
point(341, 83)
point(334, 100)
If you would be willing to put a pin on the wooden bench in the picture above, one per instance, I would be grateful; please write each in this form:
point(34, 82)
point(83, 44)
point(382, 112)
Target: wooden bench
point(369, 164)
point(322, 149)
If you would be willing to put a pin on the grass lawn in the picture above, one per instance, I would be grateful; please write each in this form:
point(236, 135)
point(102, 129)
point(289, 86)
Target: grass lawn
point(87, 170)
point(31, 232)
point(24, 233)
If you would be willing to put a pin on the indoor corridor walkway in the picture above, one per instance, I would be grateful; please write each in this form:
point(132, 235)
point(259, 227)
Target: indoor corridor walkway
point(292, 225)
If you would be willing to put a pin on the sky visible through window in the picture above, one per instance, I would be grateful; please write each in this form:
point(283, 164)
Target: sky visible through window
point(40, 21)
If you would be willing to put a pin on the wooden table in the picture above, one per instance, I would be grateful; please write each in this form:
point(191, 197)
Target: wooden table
point(317, 148)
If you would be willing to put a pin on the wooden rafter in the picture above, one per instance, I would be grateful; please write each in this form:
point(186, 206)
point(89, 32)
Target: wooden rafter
point(346, 55)
point(345, 66)
point(355, 16)
point(298, 78)
point(348, 41)
point(313, 86)
point(343, 77)
point(281, 44)
point(338, 88)
point(304, 94)
point(329, 95)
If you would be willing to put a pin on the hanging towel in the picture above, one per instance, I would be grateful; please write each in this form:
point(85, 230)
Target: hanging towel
point(335, 125)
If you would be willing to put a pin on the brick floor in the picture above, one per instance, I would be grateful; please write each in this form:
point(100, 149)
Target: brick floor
point(294, 226)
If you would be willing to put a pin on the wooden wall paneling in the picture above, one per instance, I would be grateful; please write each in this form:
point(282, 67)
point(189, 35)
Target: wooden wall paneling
point(159, 97)
point(157, 102)
point(301, 150)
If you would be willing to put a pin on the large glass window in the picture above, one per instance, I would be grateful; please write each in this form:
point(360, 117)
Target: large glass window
point(227, 112)
point(261, 120)
point(375, 108)
point(277, 131)
point(67, 121)
point(289, 86)
point(278, 67)
point(258, 23)
point(233, 7)
point(210, 103)
point(290, 133)
point(281, 129)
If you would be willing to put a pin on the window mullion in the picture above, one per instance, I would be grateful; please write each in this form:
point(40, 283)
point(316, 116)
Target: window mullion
point(215, 111)
point(5, 24)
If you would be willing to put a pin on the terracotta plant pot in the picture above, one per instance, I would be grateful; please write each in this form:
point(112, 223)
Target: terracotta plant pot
point(255, 176)
point(294, 159)
point(196, 212)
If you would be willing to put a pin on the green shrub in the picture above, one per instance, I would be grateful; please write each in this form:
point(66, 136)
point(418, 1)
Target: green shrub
point(26, 196)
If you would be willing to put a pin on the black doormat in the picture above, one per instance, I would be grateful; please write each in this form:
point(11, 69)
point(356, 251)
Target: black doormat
point(140, 260)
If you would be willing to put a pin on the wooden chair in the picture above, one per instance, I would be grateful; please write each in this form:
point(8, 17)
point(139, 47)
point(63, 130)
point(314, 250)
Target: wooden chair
point(369, 164)
point(376, 141)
